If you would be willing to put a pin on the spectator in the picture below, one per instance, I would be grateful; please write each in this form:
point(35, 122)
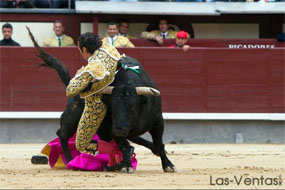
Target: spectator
point(7, 31)
point(124, 28)
point(162, 33)
point(61, 4)
point(189, 0)
point(181, 40)
point(114, 39)
point(17, 3)
point(123, 0)
point(42, 3)
point(59, 39)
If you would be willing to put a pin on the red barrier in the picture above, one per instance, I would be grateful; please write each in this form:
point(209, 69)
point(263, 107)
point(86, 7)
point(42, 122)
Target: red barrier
point(217, 43)
point(200, 80)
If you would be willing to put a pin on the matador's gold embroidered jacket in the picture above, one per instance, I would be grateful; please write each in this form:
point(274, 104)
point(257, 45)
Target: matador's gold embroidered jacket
point(100, 70)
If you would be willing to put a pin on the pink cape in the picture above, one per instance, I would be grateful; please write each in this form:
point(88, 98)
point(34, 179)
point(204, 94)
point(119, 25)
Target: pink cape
point(81, 161)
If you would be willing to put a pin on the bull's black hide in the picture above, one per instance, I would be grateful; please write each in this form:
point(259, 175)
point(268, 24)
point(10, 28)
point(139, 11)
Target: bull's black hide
point(132, 115)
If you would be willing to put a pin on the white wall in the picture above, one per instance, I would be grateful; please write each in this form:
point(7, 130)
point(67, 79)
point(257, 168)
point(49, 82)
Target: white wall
point(226, 30)
point(39, 29)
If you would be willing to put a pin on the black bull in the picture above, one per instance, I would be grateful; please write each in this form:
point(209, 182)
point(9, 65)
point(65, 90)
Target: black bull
point(128, 116)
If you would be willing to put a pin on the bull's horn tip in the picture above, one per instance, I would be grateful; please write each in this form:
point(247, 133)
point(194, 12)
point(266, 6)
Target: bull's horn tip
point(155, 92)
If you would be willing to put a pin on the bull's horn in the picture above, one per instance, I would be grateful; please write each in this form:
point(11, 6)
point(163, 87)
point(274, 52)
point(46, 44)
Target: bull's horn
point(147, 91)
point(107, 90)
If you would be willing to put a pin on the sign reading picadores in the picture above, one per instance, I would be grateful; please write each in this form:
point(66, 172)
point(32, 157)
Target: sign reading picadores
point(252, 46)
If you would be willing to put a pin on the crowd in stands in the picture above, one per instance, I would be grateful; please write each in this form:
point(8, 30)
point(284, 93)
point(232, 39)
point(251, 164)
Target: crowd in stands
point(116, 35)
point(37, 4)
point(205, 0)
point(115, 38)
point(65, 3)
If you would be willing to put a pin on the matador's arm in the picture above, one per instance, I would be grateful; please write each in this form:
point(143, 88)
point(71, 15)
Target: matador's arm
point(93, 72)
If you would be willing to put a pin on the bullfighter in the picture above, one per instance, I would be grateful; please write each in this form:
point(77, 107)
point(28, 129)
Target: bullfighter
point(100, 71)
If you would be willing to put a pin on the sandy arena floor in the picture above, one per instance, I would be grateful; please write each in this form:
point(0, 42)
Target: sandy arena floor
point(199, 166)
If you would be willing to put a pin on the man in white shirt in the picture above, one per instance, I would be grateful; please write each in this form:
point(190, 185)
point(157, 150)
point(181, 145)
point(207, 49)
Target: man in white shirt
point(114, 39)
point(59, 39)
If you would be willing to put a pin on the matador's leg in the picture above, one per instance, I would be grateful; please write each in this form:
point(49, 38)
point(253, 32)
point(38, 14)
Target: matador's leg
point(92, 117)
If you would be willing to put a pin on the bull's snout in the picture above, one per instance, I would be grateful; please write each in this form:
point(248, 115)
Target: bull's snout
point(120, 132)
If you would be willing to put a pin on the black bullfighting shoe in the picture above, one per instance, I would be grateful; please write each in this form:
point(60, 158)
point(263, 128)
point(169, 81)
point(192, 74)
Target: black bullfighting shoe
point(39, 160)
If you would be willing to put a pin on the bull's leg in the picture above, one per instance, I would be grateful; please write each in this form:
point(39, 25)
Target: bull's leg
point(145, 143)
point(64, 146)
point(156, 134)
point(127, 151)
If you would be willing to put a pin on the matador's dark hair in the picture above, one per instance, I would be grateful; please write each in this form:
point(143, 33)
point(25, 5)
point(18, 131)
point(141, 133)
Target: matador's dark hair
point(90, 41)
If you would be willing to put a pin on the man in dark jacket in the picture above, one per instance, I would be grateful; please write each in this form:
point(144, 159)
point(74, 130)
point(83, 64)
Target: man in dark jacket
point(7, 31)
point(17, 3)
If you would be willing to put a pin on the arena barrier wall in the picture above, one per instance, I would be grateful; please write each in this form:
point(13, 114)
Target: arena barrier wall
point(215, 43)
point(202, 80)
point(210, 95)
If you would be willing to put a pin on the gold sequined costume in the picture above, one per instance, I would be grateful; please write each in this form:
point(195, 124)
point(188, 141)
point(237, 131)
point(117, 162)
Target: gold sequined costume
point(120, 41)
point(150, 35)
point(52, 41)
point(100, 71)
point(126, 35)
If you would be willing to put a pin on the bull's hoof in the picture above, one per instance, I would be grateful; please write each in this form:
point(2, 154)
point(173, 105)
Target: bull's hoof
point(128, 170)
point(170, 169)
point(39, 160)
point(114, 168)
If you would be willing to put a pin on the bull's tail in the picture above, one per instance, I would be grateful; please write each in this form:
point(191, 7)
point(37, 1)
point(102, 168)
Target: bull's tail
point(50, 61)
